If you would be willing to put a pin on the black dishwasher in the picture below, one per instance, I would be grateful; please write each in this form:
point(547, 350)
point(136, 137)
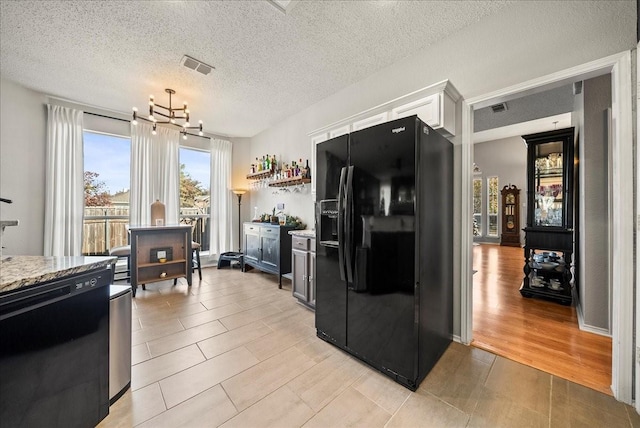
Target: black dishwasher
point(54, 352)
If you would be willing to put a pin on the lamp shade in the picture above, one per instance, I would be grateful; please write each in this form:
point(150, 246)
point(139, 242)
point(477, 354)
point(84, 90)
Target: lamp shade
point(239, 191)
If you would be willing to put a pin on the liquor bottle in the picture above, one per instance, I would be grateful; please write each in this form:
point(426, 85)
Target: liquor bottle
point(259, 165)
point(308, 170)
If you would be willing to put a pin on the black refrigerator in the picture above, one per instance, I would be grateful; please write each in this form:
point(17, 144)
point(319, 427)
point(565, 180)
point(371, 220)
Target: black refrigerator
point(384, 246)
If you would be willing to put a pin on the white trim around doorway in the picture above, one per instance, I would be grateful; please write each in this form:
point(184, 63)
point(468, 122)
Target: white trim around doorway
point(622, 240)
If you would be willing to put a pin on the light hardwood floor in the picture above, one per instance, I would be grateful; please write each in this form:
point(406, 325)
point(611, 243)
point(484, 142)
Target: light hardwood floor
point(235, 351)
point(535, 332)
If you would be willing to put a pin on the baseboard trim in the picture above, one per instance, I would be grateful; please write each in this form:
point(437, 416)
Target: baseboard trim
point(585, 327)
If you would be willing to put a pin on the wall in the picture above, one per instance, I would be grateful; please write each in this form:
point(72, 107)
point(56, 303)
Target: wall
point(23, 115)
point(506, 159)
point(593, 279)
point(522, 42)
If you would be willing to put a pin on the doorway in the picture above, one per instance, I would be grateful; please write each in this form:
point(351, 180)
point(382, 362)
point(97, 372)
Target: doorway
point(622, 224)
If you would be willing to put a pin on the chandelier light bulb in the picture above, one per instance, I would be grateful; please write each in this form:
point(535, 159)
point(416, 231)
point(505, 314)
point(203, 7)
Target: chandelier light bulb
point(134, 122)
point(200, 133)
point(173, 120)
point(186, 124)
point(200, 122)
point(135, 109)
point(184, 136)
point(151, 118)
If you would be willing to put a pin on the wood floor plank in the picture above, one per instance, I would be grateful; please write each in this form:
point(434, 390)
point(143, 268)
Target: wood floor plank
point(536, 332)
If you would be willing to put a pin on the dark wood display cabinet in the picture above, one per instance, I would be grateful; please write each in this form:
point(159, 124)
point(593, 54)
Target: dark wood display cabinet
point(549, 236)
point(510, 216)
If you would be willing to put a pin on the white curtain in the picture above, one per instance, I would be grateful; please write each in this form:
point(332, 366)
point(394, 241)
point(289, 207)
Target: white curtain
point(64, 188)
point(221, 201)
point(155, 173)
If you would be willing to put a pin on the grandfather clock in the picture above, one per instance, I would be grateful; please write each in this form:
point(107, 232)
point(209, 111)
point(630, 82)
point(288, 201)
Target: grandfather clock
point(510, 216)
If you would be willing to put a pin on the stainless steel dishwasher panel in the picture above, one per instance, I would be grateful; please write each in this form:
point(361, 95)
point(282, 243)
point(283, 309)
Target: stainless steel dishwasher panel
point(119, 341)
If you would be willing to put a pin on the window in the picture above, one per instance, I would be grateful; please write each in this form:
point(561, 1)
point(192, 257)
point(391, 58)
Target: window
point(477, 207)
point(107, 160)
point(195, 203)
point(492, 206)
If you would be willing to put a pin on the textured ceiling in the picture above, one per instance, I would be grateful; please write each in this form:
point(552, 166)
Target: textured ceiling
point(269, 65)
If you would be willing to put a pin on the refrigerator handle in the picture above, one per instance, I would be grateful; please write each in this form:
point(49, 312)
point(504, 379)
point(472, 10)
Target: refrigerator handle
point(341, 223)
point(349, 225)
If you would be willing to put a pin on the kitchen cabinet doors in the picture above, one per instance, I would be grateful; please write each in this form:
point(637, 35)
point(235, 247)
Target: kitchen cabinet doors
point(303, 263)
point(267, 247)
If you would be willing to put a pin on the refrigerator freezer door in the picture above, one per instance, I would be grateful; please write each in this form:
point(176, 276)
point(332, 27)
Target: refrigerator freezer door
point(381, 321)
point(331, 293)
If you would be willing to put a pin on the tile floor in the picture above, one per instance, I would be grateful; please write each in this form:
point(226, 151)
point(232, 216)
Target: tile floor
point(235, 351)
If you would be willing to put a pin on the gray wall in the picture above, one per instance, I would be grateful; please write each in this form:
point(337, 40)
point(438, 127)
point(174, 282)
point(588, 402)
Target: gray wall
point(506, 159)
point(594, 287)
point(22, 152)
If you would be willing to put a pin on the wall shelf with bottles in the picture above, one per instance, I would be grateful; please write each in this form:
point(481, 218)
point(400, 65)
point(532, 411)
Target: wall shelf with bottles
point(270, 172)
point(259, 175)
point(292, 181)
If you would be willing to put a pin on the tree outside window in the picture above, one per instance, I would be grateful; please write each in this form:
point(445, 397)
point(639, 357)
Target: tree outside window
point(492, 206)
point(477, 207)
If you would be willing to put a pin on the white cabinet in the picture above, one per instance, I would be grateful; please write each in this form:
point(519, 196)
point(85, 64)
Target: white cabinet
point(339, 131)
point(436, 105)
point(370, 121)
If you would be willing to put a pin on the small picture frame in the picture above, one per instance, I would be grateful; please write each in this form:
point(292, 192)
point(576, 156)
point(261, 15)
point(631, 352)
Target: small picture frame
point(158, 254)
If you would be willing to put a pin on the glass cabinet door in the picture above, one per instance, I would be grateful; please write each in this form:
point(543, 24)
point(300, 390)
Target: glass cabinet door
point(550, 163)
point(548, 173)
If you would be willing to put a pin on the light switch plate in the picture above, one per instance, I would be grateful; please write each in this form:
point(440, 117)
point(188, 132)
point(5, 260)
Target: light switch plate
point(280, 206)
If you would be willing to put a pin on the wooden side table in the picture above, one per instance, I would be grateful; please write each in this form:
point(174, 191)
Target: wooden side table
point(160, 253)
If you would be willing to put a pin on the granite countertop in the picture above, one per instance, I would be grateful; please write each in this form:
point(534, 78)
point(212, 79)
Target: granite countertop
point(22, 271)
point(306, 233)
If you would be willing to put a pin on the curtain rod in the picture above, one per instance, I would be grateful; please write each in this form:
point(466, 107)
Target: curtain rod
point(105, 116)
point(125, 120)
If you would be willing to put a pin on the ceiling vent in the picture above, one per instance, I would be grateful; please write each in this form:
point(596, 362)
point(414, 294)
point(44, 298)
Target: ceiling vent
point(497, 108)
point(577, 88)
point(197, 65)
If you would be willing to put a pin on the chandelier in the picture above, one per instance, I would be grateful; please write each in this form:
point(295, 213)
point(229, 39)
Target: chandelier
point(178, 117)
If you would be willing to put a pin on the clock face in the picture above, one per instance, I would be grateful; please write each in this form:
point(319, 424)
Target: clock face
point(510, 199)
point(510, 223)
